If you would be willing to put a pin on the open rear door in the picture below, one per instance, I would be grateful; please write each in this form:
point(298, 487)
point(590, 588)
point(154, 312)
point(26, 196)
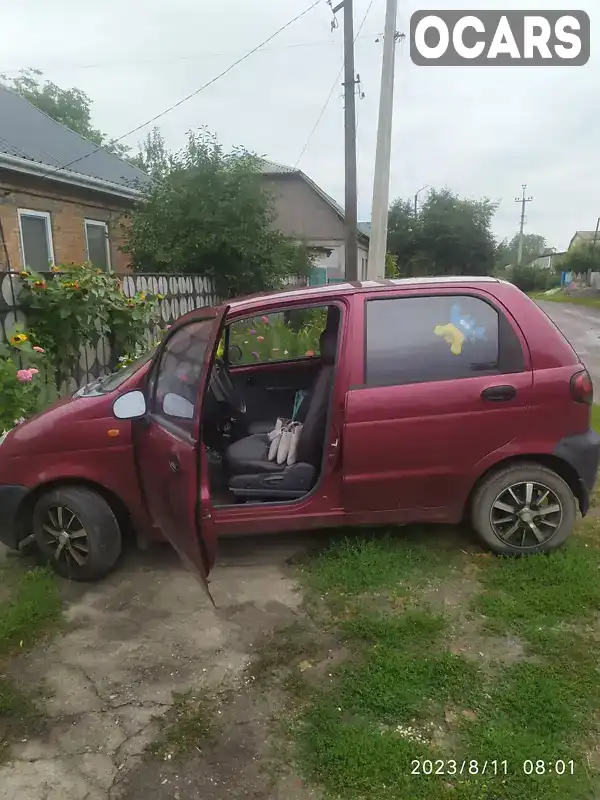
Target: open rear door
point(168, 444)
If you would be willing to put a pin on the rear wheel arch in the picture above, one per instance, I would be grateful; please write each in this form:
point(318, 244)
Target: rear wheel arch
point(117, 505)
point(557, 465)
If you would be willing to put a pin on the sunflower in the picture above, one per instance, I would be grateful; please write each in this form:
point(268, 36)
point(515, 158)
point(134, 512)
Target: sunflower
point(18, 338)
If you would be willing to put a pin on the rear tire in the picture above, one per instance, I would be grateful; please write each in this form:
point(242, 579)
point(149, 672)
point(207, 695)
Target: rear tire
point(523, 509)
point(77, 533)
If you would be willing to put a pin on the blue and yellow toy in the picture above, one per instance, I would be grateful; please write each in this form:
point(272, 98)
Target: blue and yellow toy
point(460, 329)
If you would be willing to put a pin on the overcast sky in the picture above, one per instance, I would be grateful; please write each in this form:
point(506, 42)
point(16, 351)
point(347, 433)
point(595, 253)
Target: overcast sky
point(480, 131)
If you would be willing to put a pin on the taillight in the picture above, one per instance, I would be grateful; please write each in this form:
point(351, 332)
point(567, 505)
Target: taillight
point(582, 390)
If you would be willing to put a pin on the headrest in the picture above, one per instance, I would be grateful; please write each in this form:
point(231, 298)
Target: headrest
point(328, 346)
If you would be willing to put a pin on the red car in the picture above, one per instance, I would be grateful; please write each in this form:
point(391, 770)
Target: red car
point(420, 400)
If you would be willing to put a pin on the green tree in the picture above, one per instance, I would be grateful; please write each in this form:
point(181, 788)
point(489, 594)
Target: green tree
point(153, 155)
point(450, 236)
point(533, 246)
point(70, 107)
point(205, 213)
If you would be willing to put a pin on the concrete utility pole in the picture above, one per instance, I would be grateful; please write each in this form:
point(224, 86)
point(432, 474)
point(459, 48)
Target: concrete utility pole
point(523, 200)
point(351, 202)
point(381, 180)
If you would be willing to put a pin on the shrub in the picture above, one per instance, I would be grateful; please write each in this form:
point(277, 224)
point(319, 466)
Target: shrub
point(532, 279)
point(24, 385)
point(75, 305)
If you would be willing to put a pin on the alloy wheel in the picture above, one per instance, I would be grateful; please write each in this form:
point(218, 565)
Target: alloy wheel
point(526, 514)
point(65, 536)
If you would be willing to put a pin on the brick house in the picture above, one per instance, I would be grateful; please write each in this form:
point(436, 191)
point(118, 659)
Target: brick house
point(62, 199)
point(304, 211)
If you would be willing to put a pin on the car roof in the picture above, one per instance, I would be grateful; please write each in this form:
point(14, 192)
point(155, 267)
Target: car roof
point(259, 300)
point(332, 290)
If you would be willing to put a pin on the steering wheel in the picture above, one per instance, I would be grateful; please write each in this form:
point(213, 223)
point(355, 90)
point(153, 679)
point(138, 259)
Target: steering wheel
point(223, 388)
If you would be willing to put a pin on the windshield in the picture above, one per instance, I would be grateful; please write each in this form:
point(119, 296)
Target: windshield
point(108, 383)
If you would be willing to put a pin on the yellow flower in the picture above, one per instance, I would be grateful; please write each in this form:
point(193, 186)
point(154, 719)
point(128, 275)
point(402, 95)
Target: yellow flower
point(18, 338)
point(23, 273)
point(142, 296)
point(55, 268)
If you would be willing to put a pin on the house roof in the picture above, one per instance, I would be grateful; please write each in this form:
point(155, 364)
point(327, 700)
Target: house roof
point(586, 236)
point(272, 168)
point(33, 142)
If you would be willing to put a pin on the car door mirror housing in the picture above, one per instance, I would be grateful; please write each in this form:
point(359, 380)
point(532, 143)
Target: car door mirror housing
point(131, 405)
point(174, 405)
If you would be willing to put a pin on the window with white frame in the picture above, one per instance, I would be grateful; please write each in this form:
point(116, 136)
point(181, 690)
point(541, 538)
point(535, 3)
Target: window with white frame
point(37, 250)
point(97, 244)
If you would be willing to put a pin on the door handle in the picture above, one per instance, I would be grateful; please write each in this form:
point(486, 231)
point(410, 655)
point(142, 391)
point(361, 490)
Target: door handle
point(174, 464)
point(499, 394)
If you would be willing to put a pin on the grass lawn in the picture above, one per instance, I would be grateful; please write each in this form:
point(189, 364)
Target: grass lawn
point(29, 608)
point(429, 669)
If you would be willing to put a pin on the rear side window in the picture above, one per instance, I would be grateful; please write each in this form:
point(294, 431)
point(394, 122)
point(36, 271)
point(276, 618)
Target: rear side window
point(437, 338)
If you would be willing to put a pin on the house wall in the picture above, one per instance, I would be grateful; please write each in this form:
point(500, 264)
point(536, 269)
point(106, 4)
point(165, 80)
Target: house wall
point(305, 215)
point(68, 208)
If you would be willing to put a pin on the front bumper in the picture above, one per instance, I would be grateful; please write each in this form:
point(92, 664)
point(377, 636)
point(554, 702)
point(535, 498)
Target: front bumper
point(11, 498)
point(582, 452)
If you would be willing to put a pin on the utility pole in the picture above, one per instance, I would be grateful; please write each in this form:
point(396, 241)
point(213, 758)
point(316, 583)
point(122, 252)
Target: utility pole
point(523, 200)
point(381, 180)
point(351, 202)
point(596, 234)
point(417, 199)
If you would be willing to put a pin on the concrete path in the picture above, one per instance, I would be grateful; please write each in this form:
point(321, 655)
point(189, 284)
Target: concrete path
point(131, 642)
point(581, 326)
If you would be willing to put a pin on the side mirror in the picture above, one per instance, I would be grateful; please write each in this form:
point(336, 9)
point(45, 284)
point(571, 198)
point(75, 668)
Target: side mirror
point(176, 406)
point(234, 354)
point(130, 405)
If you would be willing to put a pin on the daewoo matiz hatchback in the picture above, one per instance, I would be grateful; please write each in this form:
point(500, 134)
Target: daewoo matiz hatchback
point(421, 400)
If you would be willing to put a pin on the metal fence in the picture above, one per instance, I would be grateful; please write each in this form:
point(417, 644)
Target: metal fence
point(181, 294)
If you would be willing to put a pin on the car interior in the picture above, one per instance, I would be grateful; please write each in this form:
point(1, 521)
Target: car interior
point(250, 389)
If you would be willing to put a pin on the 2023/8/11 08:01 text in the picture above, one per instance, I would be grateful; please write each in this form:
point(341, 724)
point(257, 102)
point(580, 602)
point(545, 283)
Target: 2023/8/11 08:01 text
point(494, 767)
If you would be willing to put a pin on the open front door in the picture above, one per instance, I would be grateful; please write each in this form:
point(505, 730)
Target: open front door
point(168, 442)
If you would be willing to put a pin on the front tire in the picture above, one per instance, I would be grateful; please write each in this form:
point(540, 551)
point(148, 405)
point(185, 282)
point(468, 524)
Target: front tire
point(523, 509)
point(77, 533)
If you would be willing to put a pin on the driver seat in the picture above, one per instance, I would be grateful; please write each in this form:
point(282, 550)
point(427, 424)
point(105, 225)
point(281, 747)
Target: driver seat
point(252, 475)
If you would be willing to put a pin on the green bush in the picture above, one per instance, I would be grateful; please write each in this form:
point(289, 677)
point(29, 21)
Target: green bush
point(532, 279)
point(77, 304)
point(25, 385)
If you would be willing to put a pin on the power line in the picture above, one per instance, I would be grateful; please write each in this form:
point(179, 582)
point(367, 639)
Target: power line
point(330, 95)
point(196, 92)
point(166, 61)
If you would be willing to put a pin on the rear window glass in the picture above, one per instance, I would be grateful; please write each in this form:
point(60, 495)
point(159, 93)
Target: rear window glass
point(421, 339)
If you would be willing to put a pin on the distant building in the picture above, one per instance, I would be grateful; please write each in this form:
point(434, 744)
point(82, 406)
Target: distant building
point(307, 213)
point(547, 261)
point(63, 198)
point(583, 237)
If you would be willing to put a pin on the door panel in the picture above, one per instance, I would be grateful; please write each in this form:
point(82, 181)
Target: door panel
point(421, 446)
point(269, 389)
point(167, 442)
point(446, 392)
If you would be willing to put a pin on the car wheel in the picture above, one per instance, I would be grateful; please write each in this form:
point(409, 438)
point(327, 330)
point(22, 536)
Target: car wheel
point(524, 509)
point(77, 533)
